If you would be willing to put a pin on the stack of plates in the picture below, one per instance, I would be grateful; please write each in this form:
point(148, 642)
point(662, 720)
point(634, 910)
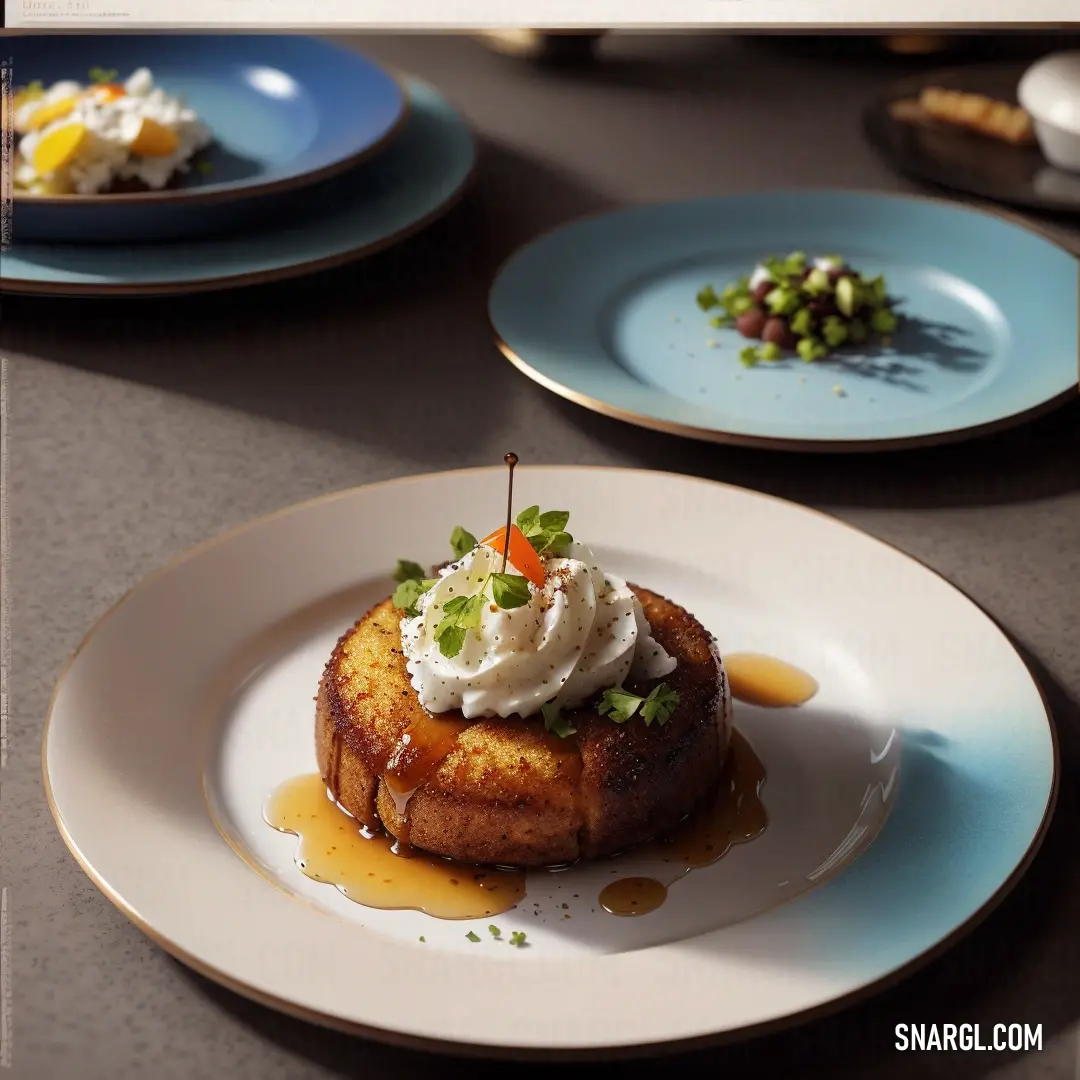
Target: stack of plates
point(318, 157)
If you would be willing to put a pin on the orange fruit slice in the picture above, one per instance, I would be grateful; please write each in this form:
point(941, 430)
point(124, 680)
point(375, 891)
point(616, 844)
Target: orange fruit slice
point(519, 552)
point(58, 148)
point(154, 140)
point(46, 114)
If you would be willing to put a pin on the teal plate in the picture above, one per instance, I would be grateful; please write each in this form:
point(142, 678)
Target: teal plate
point(603, 312)
point(382, 201)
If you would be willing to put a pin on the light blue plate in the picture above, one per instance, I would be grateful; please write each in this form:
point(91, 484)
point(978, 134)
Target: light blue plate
point(603, 312)
point(367, 209)
point(284, 112)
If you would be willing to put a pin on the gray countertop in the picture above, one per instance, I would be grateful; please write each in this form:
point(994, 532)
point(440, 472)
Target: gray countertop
point(137, 429)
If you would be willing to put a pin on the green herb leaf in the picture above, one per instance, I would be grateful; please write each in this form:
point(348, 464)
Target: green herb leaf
point(102, 75)
point(718, 322)
point(408, 593)
point(517, 937)
point(510, 590)
point(769, 351)
point(528, 519)
point(748, 357)
point(494, 931)
point(473, 936)
point(407, 570)
point(545, 531)
point(740, 305)
point(555, 722)
point(659, 705)
point(460, 615)
point(34, 88)
point(707, 299)
point(462, 541)
point(422, 938)
point(857, 332)
point(451, 638)
point(619, 704)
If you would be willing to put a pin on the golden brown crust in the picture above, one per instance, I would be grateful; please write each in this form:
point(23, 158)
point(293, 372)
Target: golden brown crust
point(508, 792)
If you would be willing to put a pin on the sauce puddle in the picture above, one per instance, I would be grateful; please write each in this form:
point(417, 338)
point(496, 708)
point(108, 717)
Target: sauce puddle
point(376, 871)
point(733, 815)
point(757, 679)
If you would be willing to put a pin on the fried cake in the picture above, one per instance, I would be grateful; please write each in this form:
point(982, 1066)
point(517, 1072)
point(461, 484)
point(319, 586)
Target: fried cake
point(505, 791)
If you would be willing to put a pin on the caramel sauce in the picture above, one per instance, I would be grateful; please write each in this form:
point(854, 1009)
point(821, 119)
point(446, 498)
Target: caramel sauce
point(374, 871)
point(733, 814)
point(422, 747)
point(763, 680)
point(633, 896)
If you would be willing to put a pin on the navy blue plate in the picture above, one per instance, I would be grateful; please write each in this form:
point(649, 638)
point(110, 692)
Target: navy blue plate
point(285, 112)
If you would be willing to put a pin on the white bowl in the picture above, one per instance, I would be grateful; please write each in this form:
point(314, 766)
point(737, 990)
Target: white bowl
point(1050, 92)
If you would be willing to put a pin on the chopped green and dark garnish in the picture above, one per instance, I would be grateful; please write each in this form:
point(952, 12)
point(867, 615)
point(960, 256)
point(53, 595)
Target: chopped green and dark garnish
point(620, 705)
point(103, 75)
point(517, 937)
point(473, 936)
point(494, 931)
point(811, 309)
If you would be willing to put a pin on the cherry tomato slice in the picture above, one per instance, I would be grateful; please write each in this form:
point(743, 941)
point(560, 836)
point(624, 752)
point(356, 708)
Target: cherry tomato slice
point(521, 553)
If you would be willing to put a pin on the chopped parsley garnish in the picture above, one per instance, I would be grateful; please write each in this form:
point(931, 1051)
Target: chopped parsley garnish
point(422, 938)
point(547, 531)
point(407, 570)
point(517, 937)
point(461, 541)
point(620, 704)
point(103, 75)
point(472, 936)
point(555, 722)
point(494, 931)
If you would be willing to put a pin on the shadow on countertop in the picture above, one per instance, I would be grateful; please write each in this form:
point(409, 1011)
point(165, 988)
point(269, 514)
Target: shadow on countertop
point(1033, 938)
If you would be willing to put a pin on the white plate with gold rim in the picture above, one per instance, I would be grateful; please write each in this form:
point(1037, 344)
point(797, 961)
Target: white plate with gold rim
point(903, 799)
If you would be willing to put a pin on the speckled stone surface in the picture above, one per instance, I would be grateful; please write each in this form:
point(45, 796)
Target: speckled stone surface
point(140, 428)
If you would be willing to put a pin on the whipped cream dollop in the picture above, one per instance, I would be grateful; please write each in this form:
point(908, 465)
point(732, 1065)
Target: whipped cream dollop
point(582, 633)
